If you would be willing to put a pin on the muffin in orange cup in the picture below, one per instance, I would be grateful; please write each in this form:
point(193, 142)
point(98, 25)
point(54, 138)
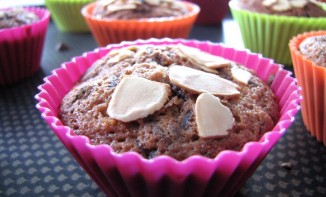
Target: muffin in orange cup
point(310, 70)
point(121, 27)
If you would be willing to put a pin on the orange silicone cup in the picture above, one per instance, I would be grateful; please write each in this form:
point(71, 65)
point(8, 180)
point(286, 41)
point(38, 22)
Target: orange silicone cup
point(312, 78)
point(107, 31)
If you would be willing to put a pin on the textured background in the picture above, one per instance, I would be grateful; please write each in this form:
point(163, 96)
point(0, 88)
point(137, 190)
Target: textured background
point(33, 162)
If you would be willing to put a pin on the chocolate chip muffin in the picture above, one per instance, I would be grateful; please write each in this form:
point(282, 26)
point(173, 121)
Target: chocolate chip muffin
point(137, 9)
point(16, 17)
point(169, 100)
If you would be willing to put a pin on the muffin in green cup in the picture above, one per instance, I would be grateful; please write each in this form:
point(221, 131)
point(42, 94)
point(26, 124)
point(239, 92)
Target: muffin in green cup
point(66, 14)
point(268, 31)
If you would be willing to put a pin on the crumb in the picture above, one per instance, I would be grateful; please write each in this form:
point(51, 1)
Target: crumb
point(62, 46)
point(287, 165)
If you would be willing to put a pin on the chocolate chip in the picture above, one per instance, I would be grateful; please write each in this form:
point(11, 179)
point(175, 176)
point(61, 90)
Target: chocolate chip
point(61, 46)
point(180, 93)
point(287, 165)
point(186, 120)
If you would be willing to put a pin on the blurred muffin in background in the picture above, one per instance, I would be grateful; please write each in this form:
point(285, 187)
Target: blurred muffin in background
point(16, 17)
point(113, 21)
point(66, 14)
point(212, 11)
point(22, 34)
point(308, 51)
point(267, 26)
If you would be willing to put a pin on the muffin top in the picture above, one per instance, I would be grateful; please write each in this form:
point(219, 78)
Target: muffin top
point(16, 17)
point(314, 49)
point(300, 8)
point(169, 100)
point(138, 9)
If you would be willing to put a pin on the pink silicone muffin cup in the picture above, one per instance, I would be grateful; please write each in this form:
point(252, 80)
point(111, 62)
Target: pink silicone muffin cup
point(21, 48)
point(129, 174)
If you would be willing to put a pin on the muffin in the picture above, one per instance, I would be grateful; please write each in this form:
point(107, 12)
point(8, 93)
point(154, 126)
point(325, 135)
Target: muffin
point(16, 17)
point(308, 51)
point(66, 14)
point(22, 33)
point(267, 26)
point(173, 119)
point(212, 12)
point(124, 173)
point(117, 20)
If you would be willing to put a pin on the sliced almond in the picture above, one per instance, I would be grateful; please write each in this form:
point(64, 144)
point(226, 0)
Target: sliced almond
point(114, 52)
point(269, 2)
point(140, 52)
point(106, 3)
point(118, 7)
point(153, 2)
point(210, 70)
point(298, 3)
point(200, 81)
point(212, 117)
point(281, 5)
point(203, 58)
point(136, 97)
point(240, 75)
point(121, 55)
point(132, 48)
point(135, 2)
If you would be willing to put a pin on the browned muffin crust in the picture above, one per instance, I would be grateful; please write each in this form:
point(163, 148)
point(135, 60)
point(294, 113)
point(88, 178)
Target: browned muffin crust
point(172, 130)
point(309, 10)
point(16, 17)
point(137, 9)
point(314, 49)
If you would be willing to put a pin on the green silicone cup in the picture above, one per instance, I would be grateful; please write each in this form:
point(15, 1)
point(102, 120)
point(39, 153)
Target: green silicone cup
point(270, 34)
point(66, 14)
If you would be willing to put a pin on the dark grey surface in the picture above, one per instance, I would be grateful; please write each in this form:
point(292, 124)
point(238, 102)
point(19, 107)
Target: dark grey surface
point(33, 162)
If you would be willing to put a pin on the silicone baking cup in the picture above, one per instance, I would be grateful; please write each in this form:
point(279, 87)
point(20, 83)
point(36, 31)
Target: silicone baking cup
point(211, 11)
point(21, 48)
point(270, 34)
point(129, 174)
point(312, 78)
point(106, 31)
point(67, 16)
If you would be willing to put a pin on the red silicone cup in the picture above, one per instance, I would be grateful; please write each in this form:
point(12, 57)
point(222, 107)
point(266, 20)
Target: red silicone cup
point(129, 173)
point(212, 12)
point(21, 48)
